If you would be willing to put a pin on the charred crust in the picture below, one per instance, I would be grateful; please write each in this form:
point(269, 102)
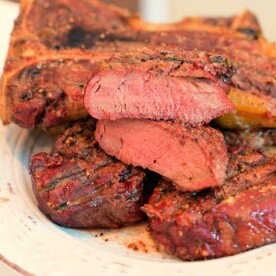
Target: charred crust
point(78, 141)
point(125, 174)
point(194, 225)
point(217, 59)
point(62, 206)
point(76, 37)
point(249, 32)
point(28, 95)
point(103, 164)
point(36, 96)
point(223, 68)
point(80, 37)
point(96, 191)
point(30, 72)
point(57, 47)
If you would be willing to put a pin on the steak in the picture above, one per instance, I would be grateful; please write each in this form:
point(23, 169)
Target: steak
point(236, 217)
point(47, 90)
point(161, 84)
point(59, 38)
point(80, 186)
point(54, 49)
point(192, 158)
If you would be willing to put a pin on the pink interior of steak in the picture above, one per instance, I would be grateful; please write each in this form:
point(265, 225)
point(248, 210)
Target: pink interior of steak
point(193, 158)
point(161, 83)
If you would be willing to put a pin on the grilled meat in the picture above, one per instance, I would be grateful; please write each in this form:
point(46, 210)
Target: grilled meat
point(48, 63)
point(162, 84)
point(80, 186)
point(238, 216)
point(193, 158)
point(72, 37)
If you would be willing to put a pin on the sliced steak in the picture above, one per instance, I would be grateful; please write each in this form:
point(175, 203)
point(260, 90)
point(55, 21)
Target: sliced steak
point(81, 186)
point(193, 158)
point(233, 218)
point(161, 84)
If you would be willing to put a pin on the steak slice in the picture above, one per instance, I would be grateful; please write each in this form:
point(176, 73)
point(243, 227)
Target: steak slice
point(193, 158)
point(233, 218)
point(161, 84)
point(80, 186)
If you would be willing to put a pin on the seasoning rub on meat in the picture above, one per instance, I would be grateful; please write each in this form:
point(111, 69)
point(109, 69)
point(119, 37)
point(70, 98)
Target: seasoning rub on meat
point(81, 186)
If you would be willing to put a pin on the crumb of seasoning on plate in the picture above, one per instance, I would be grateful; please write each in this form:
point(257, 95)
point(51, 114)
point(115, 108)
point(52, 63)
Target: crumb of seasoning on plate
point(133, 246)
point(138, 246)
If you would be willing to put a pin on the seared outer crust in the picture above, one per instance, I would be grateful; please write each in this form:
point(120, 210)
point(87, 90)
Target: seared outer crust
point(163, 83)
point(224, 221)
point(45, 35)
point(81, 186)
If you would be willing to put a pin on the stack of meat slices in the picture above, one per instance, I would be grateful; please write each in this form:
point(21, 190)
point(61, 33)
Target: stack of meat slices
point(165, 84)
point(153, 106)
point(216, 196)
point(81, 186)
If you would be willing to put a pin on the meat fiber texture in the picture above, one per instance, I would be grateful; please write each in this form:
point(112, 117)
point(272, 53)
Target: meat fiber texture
point(164, 83)
point(192, 158)
point(233, 218)
point(81, 186)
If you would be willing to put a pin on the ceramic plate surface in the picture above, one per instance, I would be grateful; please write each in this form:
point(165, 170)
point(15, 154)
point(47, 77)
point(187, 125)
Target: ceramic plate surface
point(29, 241)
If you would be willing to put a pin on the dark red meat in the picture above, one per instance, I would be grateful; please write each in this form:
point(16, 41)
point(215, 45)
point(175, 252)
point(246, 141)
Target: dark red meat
point(81, 186)
point(236, 217)
point(49, 90)
point(193, 158)
point(161, 84)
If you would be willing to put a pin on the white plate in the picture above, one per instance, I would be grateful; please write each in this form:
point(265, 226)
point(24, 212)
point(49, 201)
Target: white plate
point(32, 244)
